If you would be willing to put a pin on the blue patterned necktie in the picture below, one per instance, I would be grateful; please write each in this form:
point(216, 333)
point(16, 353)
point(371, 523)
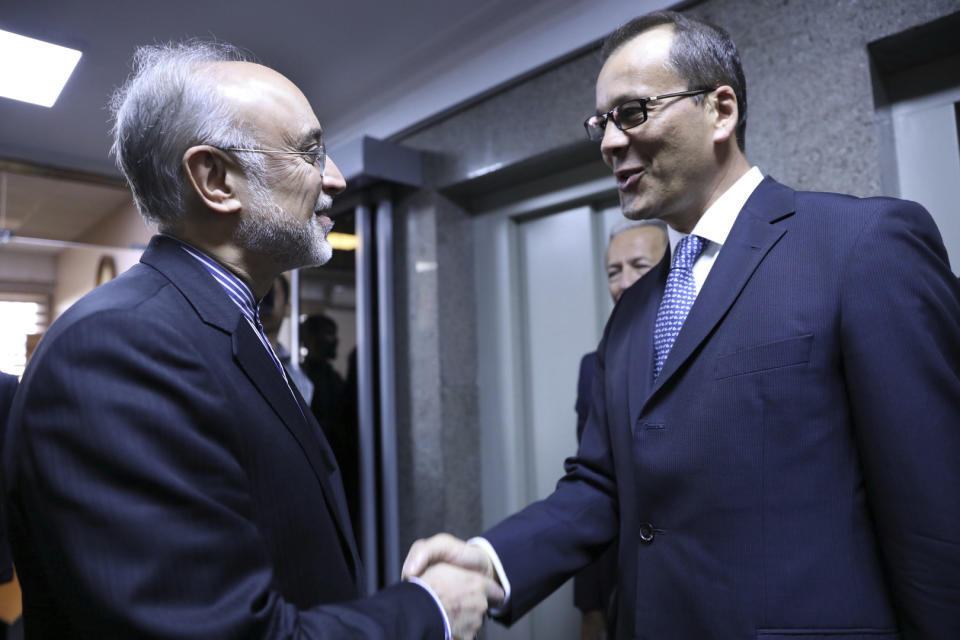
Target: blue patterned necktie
point(678, 297)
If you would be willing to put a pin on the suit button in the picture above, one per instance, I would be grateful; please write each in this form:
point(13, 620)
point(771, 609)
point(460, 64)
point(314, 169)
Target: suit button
point(647, 532)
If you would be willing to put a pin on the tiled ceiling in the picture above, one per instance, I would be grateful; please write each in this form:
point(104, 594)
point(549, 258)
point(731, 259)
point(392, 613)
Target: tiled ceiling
point(54, 208)
point(342, 54)
point(368, 67)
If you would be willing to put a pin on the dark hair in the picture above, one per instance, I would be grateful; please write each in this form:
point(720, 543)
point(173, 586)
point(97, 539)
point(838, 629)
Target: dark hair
point(701, 53)
point(318, 324)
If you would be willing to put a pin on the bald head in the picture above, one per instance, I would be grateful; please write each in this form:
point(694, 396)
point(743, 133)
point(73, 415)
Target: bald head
point(259, 97)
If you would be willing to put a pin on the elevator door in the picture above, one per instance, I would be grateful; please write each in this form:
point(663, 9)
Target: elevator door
point(928, 160)
point(542, 303)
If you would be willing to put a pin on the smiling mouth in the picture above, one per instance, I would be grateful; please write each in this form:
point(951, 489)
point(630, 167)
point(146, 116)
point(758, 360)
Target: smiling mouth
point(325, 223)
point(626, 178)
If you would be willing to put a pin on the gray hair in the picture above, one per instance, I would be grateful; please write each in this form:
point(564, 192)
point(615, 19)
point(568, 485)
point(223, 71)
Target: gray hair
point(163, 109)
point(623, 225)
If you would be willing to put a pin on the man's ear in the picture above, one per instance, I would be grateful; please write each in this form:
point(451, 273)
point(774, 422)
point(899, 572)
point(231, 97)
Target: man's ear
point(213, 177)
point(726, 112)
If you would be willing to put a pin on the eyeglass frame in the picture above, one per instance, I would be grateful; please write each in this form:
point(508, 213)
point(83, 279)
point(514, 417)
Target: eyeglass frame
point(320, 152)
point(612, 114)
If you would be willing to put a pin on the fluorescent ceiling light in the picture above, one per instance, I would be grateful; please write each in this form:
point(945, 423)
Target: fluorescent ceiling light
point(33, 70)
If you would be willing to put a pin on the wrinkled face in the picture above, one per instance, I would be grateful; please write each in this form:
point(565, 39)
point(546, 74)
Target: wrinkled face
point(664, 167)
point(631, 254)
point(284, 213)
point(292, 240)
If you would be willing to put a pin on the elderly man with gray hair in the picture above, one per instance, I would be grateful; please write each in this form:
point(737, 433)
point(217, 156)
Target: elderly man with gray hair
point(165, 478)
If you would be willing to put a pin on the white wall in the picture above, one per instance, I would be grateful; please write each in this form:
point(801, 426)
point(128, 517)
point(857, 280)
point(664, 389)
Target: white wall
point(77, 272)
point(122, 234)
point(23, 269)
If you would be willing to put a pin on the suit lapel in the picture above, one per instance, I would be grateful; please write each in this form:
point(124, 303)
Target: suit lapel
point(256, 363)
point(642, 319)
point(750, 240)
point(214, 307)
point(259, 367)
point(336, 493)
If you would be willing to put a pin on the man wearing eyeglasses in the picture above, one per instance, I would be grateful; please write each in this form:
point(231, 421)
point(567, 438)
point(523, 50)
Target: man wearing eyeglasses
point(165, 477)
point(775, 423)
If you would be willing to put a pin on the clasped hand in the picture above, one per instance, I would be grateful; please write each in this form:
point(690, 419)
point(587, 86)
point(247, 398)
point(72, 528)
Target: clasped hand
point(461, 575)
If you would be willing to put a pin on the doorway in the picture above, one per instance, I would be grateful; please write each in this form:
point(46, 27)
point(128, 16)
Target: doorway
point(542, 303)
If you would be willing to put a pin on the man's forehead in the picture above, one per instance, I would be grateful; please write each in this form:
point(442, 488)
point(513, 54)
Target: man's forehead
point(264, 98)
point(246, 82)
point(633, 238)
point(650, 45)
point(637, 68)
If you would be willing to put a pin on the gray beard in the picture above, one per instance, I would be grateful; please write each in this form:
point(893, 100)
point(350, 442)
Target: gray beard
point(266, 228)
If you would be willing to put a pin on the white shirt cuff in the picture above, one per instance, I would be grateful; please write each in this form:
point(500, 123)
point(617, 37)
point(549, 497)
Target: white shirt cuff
point(501, 574)
point(448, 634)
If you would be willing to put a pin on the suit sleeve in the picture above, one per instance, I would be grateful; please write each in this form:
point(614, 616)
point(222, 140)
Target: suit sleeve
point(588, 365)
point(901, 334)
point(543, 545)
point(593, 585)
point(147, 525)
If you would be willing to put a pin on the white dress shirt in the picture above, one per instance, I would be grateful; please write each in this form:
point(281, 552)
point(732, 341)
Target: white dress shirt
point(715, 223)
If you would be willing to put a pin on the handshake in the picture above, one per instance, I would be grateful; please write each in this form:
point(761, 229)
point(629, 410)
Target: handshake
point(461, 575)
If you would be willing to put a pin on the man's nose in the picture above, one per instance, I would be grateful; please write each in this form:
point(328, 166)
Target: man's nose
point(333, 181)
point(613, 139)
point(619, 286)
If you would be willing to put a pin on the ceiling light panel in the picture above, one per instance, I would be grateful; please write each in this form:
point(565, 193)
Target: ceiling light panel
point(34, 71)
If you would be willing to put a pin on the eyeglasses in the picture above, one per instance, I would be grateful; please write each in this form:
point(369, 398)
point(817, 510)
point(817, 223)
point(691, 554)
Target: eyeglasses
point(313, 156)
point(629, 114)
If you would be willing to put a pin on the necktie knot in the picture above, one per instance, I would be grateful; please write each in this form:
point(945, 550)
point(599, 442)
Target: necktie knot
point(688, 250)
point(678, 297)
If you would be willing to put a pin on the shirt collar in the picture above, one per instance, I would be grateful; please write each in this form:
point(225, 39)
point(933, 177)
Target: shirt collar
point(234, 287)
point(715, 223)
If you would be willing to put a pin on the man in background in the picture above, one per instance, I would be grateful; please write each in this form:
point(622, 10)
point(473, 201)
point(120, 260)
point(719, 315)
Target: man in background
point(774, 426)
point(319, 335)
point(635, 247)
point(165, 478)
point(8, 387)
point(10, 598)
point(334, 402)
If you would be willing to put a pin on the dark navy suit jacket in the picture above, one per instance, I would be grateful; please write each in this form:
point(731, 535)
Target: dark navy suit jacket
point(793, 471)
point(163, 482)
point(594, 585)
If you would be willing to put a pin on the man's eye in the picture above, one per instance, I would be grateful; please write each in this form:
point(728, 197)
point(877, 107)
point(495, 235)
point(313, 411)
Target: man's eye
point(630, 113)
